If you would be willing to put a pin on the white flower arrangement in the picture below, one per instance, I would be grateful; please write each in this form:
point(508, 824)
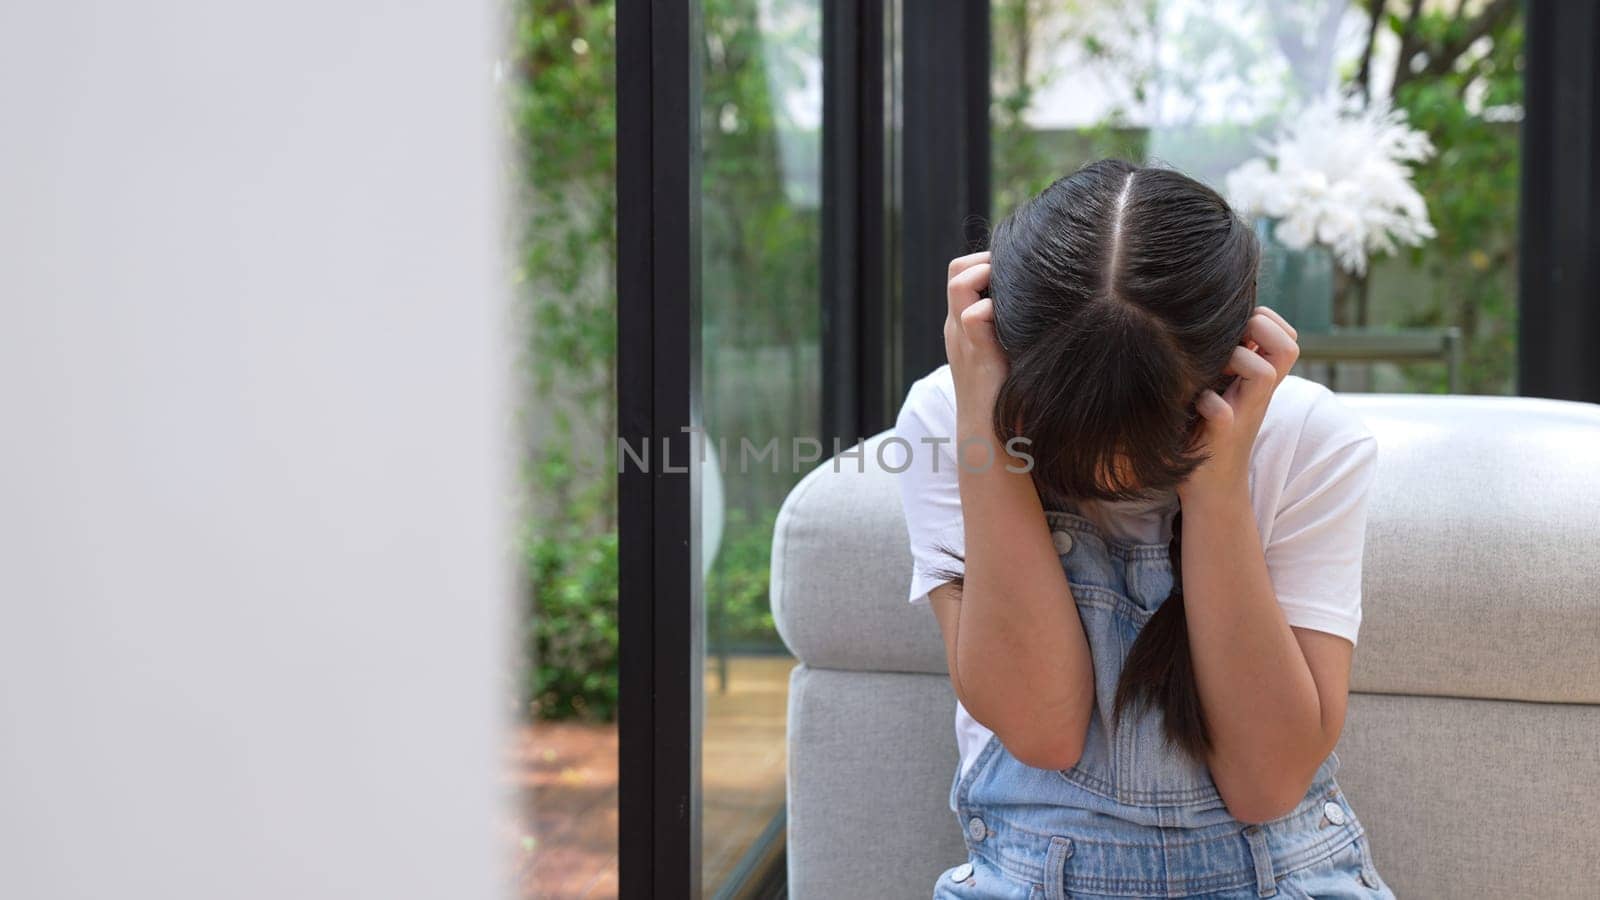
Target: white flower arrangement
point(1339, 175)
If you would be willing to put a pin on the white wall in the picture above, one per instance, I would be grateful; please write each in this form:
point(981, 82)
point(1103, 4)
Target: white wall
point(251, 471)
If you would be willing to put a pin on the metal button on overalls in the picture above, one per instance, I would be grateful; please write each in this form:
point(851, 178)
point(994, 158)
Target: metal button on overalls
point(1063, 542)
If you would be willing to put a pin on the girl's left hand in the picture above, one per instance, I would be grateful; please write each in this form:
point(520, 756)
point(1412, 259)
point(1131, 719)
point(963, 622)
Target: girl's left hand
point(1230, 421)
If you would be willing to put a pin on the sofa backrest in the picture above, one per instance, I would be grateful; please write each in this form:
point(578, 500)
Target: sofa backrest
point(1481, 580)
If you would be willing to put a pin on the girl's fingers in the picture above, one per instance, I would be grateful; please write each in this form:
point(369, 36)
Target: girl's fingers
point(1273, 343)
point(962, 263)
point(978, 314)
point(1269, 311)
point(977, 325)
point(964, 288)
point(1213, 408)
point(1257, 377)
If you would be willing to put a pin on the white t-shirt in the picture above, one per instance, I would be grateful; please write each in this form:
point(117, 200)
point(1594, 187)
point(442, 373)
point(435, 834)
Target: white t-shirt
point(1310, 470)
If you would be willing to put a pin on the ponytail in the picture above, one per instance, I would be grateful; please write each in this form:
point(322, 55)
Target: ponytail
point(1159, 668)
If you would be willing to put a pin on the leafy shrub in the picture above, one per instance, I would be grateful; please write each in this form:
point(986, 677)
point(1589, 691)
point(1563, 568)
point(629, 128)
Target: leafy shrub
point(736, 590)
point(572, 634)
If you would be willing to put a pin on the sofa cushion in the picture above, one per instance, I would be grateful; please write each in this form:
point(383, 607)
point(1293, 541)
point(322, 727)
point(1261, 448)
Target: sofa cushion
point(1474, 798)
point(871, 761)
point(1482, 572)
point(841, 570)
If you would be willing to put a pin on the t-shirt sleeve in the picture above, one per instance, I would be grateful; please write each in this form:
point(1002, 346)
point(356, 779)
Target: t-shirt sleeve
point(923, 454)
point(1318, 537)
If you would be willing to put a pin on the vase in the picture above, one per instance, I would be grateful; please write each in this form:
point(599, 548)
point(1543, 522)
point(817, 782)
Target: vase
point(1297, 283)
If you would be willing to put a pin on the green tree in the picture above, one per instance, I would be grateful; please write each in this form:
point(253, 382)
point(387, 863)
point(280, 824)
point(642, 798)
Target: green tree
point(1458, 75)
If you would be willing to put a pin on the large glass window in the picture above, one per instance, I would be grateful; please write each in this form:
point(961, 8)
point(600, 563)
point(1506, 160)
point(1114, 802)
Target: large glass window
point(1201, 85)
point(761, 388)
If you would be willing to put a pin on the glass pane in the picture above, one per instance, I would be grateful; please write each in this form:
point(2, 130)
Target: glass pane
point(1207, 86)
point(761, 384)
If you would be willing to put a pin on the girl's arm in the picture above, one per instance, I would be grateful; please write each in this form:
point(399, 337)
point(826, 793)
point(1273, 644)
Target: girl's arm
point(1017, 653)
point(1274, 696)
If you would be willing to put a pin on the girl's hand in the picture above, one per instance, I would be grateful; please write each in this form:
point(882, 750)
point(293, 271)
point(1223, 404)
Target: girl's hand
point(977, 363)
point(1230, 421)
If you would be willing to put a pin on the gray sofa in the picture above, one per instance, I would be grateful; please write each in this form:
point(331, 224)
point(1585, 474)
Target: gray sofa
point(1472, 746)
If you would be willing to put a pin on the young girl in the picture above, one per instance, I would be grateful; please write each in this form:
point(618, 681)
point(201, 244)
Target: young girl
point(1142, 539)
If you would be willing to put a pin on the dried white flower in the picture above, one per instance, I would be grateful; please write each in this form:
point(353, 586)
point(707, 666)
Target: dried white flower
point(1339, 175)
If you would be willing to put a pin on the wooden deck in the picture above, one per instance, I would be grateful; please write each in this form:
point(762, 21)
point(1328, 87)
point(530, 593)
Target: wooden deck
point(565, 777)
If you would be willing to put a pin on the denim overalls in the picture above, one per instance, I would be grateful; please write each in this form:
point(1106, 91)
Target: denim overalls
point(1135, 818)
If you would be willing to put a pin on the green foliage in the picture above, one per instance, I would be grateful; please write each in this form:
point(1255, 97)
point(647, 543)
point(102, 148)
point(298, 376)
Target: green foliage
point(741, 610)
point(575, 626)
point(1471, 187)
point(563, 109)
point(560, 94)
point(760, 274)
point(1025, 160)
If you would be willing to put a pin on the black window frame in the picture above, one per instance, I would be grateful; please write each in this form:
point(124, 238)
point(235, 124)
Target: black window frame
point(945, 166)
point(660, 708)
point(857, 332)
point(1558, 302)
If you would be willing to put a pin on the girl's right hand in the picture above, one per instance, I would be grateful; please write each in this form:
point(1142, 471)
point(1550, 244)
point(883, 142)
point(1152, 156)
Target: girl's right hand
point(977, 363)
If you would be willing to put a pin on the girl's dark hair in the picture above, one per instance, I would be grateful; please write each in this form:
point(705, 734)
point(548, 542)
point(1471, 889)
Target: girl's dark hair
point(1120, 293)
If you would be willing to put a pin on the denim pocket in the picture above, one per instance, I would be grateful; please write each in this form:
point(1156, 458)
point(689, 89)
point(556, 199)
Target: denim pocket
point(978, 879)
